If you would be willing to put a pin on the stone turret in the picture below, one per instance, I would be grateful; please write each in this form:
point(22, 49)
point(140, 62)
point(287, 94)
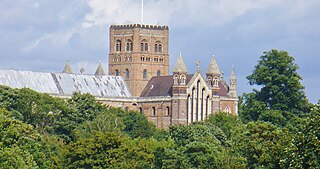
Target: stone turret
point(180, 67)
point(213, 74)
point(100, 70)
point(179, 93)
point(233, 85)
point(213, 68)
point(67, 68)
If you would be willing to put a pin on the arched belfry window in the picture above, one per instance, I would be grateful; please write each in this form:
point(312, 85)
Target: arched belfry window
point(127, 74)
point(216, 81)
point(175, 79)
point(145, 73)
point(129, 46)
point(183, 79)
point(118, 45)
point(144, 45)
point(117, 72)
point(158, 73)
point(209, 80)
point(158, 47)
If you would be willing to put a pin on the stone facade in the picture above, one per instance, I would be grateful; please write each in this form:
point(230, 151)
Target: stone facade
point(138, 52)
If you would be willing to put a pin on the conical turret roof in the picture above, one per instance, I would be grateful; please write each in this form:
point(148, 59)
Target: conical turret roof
point(100, 71)
point(213, 66)
point(180, 65)
point(67, 68)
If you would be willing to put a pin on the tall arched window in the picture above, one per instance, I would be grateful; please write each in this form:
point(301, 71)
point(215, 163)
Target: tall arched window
point(144, 45)
point(117, 72)
point(154, 113)
point(118, 45)
point(127, 74)
point(175, 79)
point(183, 79)
point(158, 73)
point(158, 47)
point(168, 111)
point(216, 81)
point(129, 46)
point(140, 110)
point(145, 73)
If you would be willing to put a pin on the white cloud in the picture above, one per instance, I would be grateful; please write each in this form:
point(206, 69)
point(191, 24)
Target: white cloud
point(213, 12)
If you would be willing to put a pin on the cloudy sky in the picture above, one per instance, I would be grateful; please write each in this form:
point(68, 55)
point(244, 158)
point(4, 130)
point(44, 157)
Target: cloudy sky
point(40, 35)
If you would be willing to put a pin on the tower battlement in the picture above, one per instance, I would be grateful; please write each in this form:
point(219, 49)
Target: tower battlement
point(144, 26)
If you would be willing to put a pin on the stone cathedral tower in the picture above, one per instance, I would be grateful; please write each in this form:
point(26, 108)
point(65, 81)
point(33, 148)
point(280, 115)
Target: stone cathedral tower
point(137, 53)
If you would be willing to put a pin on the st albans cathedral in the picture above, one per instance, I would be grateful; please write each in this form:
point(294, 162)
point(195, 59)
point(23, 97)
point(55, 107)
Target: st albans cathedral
point(139, 80)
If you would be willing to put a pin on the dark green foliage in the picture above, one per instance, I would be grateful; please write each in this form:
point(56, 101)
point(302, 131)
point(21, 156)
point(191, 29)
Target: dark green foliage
point(281, 97)
point(304, 151)
point(20, 144)
point(137, 125)
point(277, 75)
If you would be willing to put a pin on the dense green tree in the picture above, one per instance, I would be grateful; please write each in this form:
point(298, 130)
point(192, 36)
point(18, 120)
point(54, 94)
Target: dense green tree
point(304, 150)
point(112, 150)
point(21, 141)
point(280, 97)
point(199, 145)
point(136, 124)
point(276, 74)
point(264, 145)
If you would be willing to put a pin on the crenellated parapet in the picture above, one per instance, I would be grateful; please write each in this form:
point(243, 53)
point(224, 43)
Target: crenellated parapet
point(144, 26)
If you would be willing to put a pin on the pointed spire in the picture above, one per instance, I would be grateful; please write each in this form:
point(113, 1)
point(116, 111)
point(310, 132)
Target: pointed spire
point(67, 68)
point(213, 67)
point(180, 66)
point(233, 75)
point(100, 71)
point(233, 84)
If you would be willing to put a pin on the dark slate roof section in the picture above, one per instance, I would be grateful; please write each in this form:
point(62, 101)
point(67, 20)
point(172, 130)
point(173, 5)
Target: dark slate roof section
point(223, 89)
point(160, 86)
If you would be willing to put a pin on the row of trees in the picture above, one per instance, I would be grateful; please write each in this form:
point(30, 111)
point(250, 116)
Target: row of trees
point(277, 128)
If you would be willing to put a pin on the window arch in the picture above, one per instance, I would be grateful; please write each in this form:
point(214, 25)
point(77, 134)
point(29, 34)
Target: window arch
point(118, 45)
point(144, 45)
point(127, 74)
point(129, 46)
point(216, 81)
point(140, 110)
point(158, 47)
point(209, 80)
point(183, 79)
point(175, 79)
point(117, 72)
point(158, 73)
point(145, 73)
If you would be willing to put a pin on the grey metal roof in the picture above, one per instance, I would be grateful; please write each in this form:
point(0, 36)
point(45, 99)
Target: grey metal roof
point(65, 84)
